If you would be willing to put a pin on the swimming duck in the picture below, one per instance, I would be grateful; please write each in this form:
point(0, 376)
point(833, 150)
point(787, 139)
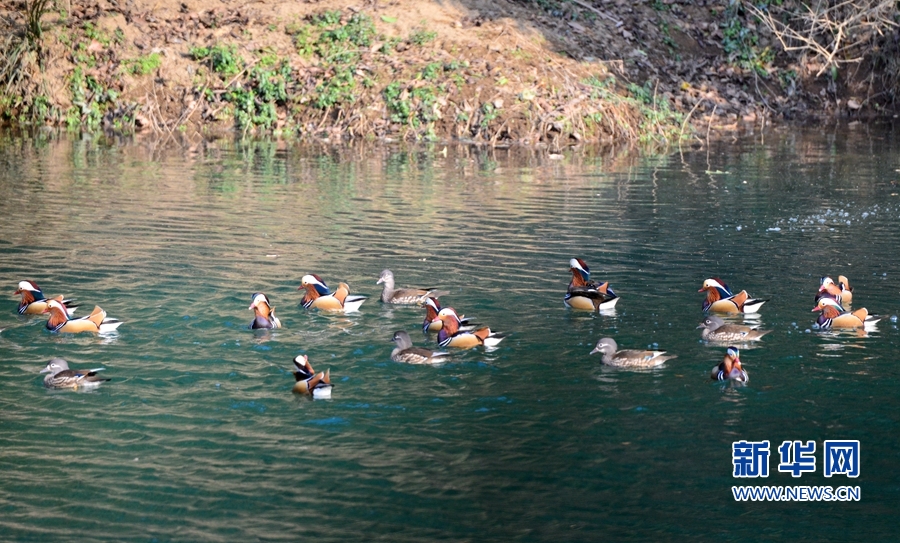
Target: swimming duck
point(318, 296)
point(715, 329)
point(835, 316)
point(841, 292)
point(629, 358)
point(390, 295)
point(719, 298)
point(434, 324)
point(586, 294)
point(34, 302)
point(730, 368)
point(451, 335)
point(265, 313)
point(317, 385)
point(60, 376)
point(405, 352)
point(96, 322)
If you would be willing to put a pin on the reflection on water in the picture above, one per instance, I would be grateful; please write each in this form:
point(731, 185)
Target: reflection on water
point(198, 436)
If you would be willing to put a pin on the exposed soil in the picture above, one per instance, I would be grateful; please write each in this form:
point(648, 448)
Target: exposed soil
point(541, 71)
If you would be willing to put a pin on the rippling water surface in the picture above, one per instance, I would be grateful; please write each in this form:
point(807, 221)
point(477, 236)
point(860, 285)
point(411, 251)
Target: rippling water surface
point(198, 436)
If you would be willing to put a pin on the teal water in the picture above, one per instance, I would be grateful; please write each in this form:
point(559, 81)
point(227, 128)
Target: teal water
point(199, 438)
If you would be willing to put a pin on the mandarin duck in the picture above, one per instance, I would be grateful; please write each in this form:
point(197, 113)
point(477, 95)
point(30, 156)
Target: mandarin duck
point(835, 316)
point(318, 296)
point(451, 335)
point(730, 368)
point(264, 313)
point(417, 296)
point(34, 302)
point(317, 385)
point(629, 358)
point(60, 376)
point(842, 292)
point(405, 352)
point(719, 298)
point(715, 329)
point(434, 324)
point(96, 322)
point(586, 294)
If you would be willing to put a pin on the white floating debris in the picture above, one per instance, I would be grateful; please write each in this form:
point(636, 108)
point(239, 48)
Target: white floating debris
point(738, 228)
point(774, 229)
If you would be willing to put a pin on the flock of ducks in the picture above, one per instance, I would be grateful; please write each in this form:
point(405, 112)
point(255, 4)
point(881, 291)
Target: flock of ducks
point(583, 293)
point(456, 331)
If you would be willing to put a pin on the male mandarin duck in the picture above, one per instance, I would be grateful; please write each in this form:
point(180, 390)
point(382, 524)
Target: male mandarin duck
point(835, 316)
point(629, 358)
point(96, 322)
point(405, 352)
point(433, 324)
point(317, 385)
point(318, 296)
point(60, 376)
point(451, 335)
point(264, 313)
point(730, 368)
point(719, 298)
point(842, 292)
point(390, 295)
point(34, 302)
point(586, 294)
point(715, 329)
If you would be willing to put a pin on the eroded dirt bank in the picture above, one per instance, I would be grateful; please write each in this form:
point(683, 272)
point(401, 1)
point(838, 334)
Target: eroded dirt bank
point(554, 72)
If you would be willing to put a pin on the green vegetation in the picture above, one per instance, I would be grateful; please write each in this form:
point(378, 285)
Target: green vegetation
point(144, 65)
point(222, 59)
point(741, 43)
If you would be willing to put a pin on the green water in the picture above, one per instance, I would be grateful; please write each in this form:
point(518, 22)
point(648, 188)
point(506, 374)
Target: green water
point(199, 438)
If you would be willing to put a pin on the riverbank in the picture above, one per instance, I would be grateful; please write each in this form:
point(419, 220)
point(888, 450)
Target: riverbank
point(553, 73)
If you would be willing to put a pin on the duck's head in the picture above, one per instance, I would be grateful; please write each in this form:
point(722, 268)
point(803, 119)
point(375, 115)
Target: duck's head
point(606, 346)
point(447, 313)
point(580, 268)
point(827, 285)
point(387, 277)
point(712, 323)
point(314, 282)
point(713, 283)
point(826, 301)
point(302, 365)
point(55, 305)
point(260, 302)
point(733, 357)
point(401, 338)
point(27, 286)
point(55, 366)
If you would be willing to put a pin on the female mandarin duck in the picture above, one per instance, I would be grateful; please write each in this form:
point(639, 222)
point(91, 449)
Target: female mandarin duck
point(264, 313)
point(842, 292)
point(433, 324)
point(390, 295)
point(405, 352)
point(629, 358)
point(318, 296)
point(715, 329)
point(317, 385)
point(451, 335)
point(730, 368)
point(835, 316)
point(60, 376)
point(586, 294)
point(96, 322)
point(34, 302)
point(719, 298)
